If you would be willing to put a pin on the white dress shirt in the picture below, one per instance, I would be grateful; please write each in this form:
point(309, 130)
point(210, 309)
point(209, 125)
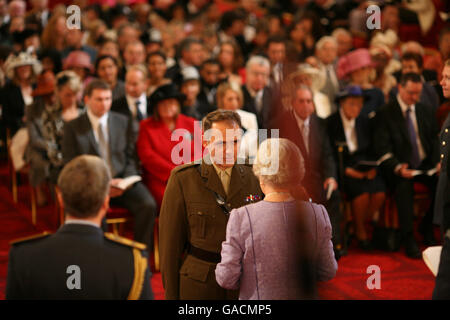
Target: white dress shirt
point(96, 121)
point(142, 105)
point(404, 108)
point(350, 132)
point(303, 125)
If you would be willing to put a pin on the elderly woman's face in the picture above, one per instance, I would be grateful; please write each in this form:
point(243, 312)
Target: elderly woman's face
point(168, 109)
point(351, 106)
point(67, 96)
point(231, 100)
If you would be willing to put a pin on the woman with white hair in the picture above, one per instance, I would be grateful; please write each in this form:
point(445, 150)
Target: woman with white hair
point(279, 247)
point(45, 125)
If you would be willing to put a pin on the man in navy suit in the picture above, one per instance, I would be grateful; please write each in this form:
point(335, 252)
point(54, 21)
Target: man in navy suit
point(79, 261)
point(408, 130)
point(110, 135)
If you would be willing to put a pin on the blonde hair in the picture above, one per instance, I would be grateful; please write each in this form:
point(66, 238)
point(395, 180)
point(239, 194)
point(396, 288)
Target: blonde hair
point(223, 88)
point(279, 162)
point(68, 78)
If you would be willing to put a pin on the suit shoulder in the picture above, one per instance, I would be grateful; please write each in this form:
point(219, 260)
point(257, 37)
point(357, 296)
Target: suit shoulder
point(31, 239)
point(124, 241)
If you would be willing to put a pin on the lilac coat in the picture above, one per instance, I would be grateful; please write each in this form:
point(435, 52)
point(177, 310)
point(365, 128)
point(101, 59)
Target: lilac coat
point(262, 267)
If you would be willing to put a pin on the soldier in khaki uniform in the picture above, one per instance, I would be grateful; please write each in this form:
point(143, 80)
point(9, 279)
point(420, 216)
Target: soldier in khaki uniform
point(194, 213)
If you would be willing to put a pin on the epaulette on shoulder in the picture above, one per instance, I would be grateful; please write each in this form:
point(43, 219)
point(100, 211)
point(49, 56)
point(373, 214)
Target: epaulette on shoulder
point(186, 166)
point(125, 241)
point(31, 238)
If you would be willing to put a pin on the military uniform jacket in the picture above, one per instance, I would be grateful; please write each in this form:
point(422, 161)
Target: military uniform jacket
point(190, 216)
point(78, 262)
point(442, 203)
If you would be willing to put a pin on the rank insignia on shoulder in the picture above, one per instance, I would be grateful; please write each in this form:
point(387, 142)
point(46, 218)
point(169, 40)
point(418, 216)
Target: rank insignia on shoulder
point(31, 238)
point(125, 241)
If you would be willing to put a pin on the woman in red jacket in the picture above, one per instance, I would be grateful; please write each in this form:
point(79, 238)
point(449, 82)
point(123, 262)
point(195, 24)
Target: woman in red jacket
point(166, 139)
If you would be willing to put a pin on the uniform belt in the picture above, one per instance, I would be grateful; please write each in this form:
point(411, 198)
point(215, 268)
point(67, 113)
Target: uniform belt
point(204, 254)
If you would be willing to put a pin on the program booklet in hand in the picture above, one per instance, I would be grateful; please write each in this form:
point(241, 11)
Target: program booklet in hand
point(365, 165)
point(128, 182)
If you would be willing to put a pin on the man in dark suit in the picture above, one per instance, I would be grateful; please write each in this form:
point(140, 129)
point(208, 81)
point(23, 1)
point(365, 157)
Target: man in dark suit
point(79, 261)
point(110, 135)
point(308, 132)
point(407, 130)
point(209, 79)
point(442, 205)
point(257, 94)
point(134, 105)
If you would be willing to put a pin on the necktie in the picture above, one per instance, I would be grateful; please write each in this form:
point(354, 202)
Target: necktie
point(103, 146)
point(305, 133)
point(225, 179)
point(139, 115)
point(415, 159)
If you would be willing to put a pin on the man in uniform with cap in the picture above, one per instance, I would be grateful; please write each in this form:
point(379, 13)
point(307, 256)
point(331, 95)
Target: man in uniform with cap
point(79, 261)
point(195, 209)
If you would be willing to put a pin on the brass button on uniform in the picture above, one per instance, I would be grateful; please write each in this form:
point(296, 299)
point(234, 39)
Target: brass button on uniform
point(442, 156)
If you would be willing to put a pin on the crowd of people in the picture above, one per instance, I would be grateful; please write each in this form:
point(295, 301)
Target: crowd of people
point(357, 111)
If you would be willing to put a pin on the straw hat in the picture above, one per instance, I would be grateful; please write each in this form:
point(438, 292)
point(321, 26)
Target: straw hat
point(317, 77)
point(22, 59)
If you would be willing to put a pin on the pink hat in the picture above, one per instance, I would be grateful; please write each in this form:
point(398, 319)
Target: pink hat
point(353, 61)
point(78, 59)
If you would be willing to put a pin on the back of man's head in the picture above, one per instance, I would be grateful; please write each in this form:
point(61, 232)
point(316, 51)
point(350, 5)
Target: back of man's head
point(84, 185)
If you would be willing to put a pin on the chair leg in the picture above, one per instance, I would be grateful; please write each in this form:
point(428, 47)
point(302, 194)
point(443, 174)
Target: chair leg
point(115, 229)
point(156, 246)
point(33, 205)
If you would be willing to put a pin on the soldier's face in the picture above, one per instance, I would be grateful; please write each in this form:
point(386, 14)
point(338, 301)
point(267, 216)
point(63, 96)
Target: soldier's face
point(445, 82)
point(224, 143)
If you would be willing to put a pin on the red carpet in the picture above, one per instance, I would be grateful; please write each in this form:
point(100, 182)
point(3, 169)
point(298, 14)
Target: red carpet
point(401, 278)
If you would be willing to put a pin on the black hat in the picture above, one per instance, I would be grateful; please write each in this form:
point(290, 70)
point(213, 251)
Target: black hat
point(164, 92)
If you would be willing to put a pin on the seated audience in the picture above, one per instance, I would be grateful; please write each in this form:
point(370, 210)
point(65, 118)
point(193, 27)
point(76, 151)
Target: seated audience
point(110, 135)
point(45, 123)
point(351, 139)
point(155, 145)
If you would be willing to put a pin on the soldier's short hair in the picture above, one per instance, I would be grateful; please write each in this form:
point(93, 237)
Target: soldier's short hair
point(220, 115)
point(84, 184)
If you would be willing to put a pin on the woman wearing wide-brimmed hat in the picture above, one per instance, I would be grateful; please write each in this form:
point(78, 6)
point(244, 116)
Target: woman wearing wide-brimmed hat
point(357, 68)
point(154, 143)
point(45, 122)
point(80, 62)
point(305, 74)
point(21, 70)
